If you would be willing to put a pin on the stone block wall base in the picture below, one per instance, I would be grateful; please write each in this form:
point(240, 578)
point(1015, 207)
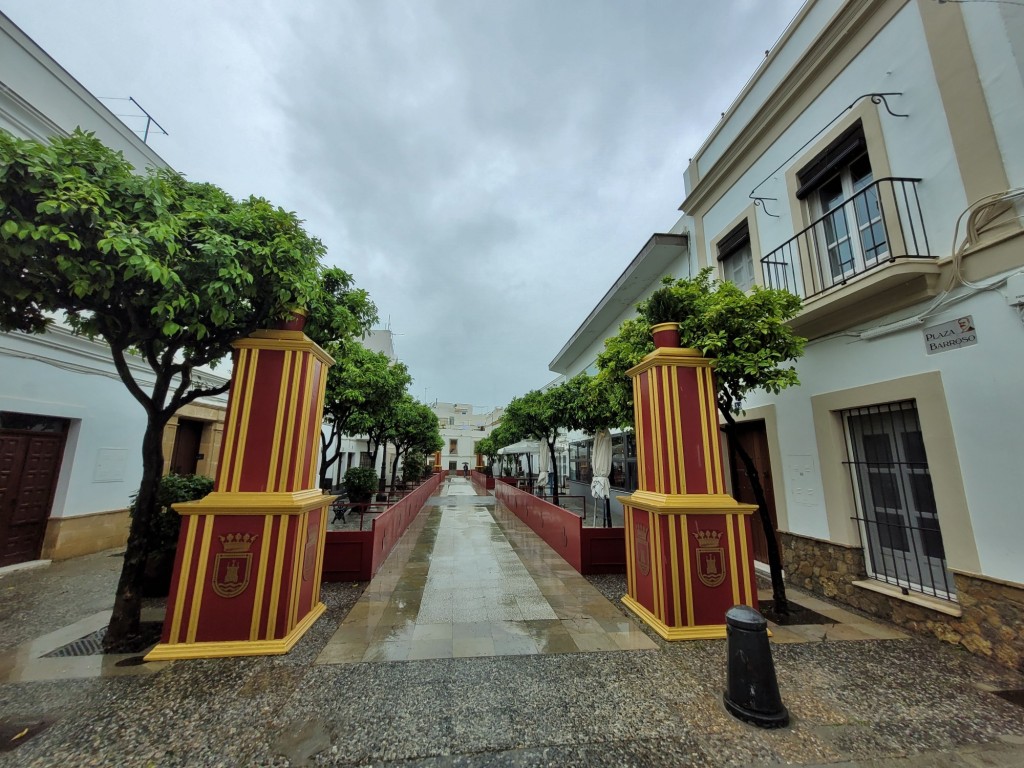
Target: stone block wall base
point(992, 611)
point(68, 537)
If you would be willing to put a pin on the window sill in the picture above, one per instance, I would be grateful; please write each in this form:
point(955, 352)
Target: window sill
point(931, 603)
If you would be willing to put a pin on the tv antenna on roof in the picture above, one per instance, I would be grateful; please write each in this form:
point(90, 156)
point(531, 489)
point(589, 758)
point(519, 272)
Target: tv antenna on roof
point(150, 121)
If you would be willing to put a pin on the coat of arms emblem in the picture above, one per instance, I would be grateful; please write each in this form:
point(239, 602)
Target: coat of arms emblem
point(643, 548)
point(232, 566)
point(710, 557)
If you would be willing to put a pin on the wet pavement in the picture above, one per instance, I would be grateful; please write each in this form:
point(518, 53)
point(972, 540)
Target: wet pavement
point(455, 587)
point(428, 690)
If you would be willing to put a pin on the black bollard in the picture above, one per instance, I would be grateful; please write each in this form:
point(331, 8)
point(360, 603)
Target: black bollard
point(751, 690)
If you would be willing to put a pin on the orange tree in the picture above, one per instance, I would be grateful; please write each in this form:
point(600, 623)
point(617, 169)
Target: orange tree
point(747, 336)
point(158, 267)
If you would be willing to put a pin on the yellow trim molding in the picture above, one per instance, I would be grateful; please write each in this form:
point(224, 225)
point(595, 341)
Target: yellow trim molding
point(295, 340)
point(689, 504)
point(209, 650)
point(679, 356)
point(702, 632)
point(255, 503)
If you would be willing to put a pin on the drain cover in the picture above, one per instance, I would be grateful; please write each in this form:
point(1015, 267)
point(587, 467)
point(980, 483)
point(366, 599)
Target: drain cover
point(797, 615)
point(1014, 696)
point(14, 733)
point(92, 644)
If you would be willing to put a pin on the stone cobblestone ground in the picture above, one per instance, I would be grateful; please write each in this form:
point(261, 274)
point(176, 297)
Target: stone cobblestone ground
point(909, 703)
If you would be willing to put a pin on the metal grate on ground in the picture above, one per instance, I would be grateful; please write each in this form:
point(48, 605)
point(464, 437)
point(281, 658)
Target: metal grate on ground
point(92, 644)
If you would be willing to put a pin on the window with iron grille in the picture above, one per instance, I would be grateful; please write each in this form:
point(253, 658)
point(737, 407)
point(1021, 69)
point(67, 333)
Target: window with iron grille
point(897, 515)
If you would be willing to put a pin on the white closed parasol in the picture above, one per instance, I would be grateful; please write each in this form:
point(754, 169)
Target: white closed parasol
point(543, 462)
point(600, 488)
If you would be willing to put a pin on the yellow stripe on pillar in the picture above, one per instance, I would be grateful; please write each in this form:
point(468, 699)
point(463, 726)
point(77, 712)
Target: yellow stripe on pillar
point(289, 424)
point(704, 427)
point(200, 583)
point(669, 436)
point(656, 444)
point(243, 427)
point(627, 523)
point(743, 521)
point(191, 521)
point(673, 533)
point(230, 436)
point(684, 537)
point(261, 578)
point(318, 424)
point(303, 424)
point(273, 476)
point(275, 584)
point(321, 547)
point(734, 575)
point(714, 434)
point(641, 436)
point(299, 550)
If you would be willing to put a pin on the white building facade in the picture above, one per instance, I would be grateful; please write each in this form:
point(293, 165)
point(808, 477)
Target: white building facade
point(462, 427)
point(70, 433)
point(873, 166)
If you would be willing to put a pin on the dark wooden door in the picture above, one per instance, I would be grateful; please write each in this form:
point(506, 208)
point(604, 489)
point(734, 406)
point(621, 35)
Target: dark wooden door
point(754, 439)
point(185, 457)
point(29, 467)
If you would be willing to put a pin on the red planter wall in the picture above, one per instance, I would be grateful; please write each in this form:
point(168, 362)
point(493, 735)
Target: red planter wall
point(358, 555)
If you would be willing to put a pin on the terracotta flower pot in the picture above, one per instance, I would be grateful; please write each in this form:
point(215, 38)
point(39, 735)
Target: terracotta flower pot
point(296, 322)
point(665, 334)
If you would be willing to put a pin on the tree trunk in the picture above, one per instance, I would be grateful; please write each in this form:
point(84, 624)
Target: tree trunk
point(554, 470)
point(325, 465)
point(394, 467)
point(383, 468)
point(123, 628)
point(781, 604)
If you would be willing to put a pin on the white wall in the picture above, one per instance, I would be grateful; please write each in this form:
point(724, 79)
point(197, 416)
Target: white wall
point(996, 32)
point(984, 399)
point(73, 378)
point(918, 146)
point(40, 96)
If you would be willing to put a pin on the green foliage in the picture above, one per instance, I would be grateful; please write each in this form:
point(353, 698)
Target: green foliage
point(360, 385)
point(589, 404)
point(143, 260)
point(360, 484)
point(488, 448)
point(622, 352)
point(170, 270)
point(414, 428)
point(172, 489)
point(378, 411)
point(745, 333)
point(415, 466)
point(532, 415)
point(338, 312)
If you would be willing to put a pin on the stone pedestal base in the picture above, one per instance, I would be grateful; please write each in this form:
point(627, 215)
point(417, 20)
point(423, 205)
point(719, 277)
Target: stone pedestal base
point(247, 575)
point(689, 559)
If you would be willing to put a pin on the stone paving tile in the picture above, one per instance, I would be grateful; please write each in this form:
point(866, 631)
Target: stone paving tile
point(911, 703)
point(467, 570)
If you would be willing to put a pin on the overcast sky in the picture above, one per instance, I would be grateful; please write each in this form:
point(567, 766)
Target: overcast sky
point(484, 168)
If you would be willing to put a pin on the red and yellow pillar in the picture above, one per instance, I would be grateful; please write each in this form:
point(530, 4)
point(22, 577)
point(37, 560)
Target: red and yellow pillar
point(689, 555)
point(247, 573)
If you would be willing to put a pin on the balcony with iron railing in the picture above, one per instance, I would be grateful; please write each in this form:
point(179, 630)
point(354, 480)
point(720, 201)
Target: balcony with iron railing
point(854, 255)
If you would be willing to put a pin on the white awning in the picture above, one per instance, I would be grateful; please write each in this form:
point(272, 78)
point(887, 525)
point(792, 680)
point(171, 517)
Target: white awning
point(523, 446)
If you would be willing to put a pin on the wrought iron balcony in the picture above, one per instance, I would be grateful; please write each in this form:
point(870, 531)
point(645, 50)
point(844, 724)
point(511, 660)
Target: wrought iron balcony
point(880, 224)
